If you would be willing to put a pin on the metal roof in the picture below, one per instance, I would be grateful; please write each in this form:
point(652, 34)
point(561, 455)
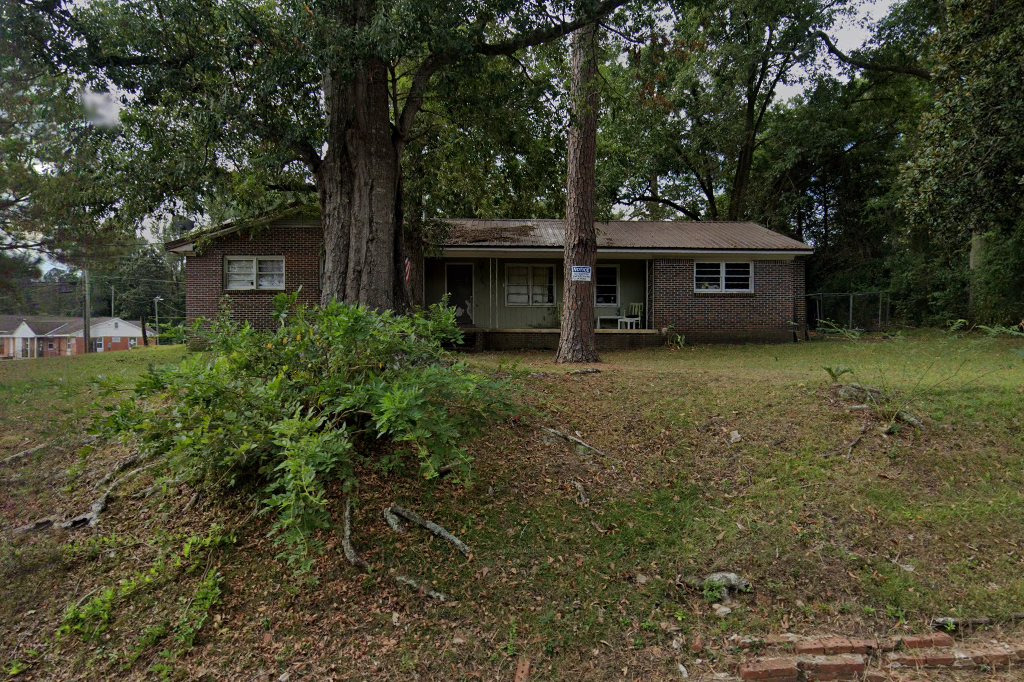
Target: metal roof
point(623, 234)
point(47, 325)
point(641, 235)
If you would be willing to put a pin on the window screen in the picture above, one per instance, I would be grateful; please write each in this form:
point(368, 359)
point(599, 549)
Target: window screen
point(708, 277)
point(257, 272)
point(723, 277)
point(529, 284)
point(607, 285)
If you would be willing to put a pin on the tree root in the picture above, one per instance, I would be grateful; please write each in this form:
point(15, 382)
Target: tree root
point(583, 501)
point(346, 539)
point(573, 440)
point(88, 519)
point(23, 454)
point(421, 587)
point(856, 441)
point(118, 468)
point(91, 517)
point(392, 513)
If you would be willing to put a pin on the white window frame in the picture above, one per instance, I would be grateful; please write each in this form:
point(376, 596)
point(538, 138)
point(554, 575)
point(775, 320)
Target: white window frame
point(529, 285)
point(618, 284)
point(255, 260)
point(721, 277)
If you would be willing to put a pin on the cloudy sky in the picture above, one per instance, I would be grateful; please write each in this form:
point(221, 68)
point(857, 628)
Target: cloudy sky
point(849, 34)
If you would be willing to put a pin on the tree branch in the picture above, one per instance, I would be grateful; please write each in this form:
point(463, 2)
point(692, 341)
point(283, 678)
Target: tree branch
point(908, 70)
point(545, 34)
point(689, 213)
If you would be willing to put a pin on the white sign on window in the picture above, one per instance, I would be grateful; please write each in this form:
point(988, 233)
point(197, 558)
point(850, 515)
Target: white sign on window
point(581, 273)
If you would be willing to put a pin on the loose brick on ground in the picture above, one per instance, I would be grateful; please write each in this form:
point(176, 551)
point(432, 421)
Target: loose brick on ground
point(773, 669)
point(837, 645)
point(993, 657)
point(935, 640)
point(839, 667)
point(921, 658)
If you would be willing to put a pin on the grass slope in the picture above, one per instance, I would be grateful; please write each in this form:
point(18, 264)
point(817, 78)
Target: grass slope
point(904, 525)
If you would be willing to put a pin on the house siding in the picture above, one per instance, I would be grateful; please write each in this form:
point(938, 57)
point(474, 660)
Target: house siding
point(299, 243)
point(774, 311)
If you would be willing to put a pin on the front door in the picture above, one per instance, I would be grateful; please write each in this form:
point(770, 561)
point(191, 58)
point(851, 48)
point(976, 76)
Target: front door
point(459, 285)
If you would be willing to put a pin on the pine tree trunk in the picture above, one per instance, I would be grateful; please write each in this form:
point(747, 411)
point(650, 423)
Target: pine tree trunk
point(358, 184)
point(577, 342)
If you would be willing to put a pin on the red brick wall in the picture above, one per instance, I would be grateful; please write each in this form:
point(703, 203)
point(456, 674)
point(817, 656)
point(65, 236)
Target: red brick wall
point(766, 314)
point(204, 285)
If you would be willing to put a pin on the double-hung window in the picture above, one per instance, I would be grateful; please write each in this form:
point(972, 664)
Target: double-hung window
point(253, 272)
point(723, 277)
point(606, 285)
point(529, 285)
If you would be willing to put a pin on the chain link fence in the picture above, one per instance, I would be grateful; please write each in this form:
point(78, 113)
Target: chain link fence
point(864, 310)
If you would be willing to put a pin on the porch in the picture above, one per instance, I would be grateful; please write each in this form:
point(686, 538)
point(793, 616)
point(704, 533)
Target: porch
point(521, 294)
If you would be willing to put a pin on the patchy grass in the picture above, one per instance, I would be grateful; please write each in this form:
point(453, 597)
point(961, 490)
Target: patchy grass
point(843, 519)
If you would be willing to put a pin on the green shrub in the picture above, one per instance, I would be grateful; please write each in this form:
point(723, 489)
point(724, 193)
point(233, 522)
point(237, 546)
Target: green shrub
point(331, 390)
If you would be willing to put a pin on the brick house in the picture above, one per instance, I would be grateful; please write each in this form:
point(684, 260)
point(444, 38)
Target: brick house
point(709, 281)
point(42, 336)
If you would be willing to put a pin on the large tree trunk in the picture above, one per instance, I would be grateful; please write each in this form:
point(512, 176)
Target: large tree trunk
point(358, 184)
point(745, 161)
point(577, 342)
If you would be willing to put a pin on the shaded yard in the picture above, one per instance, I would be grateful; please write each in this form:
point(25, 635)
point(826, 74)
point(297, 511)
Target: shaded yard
point(740, 458)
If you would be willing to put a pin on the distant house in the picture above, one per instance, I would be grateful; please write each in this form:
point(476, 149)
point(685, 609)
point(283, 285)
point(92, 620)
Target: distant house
point(37, 336)
point(709, 281)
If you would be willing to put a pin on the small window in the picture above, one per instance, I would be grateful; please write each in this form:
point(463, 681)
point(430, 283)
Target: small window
point(115, 339)
point(606, 286)
point(723, 277)
point(530, 285)
point(244, 272)
point(50, 345)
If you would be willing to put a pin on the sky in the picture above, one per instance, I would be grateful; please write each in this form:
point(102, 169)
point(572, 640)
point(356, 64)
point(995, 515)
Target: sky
point(849, 33)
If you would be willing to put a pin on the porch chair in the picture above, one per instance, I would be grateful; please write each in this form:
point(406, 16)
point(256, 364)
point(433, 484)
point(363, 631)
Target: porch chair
point(631, 320)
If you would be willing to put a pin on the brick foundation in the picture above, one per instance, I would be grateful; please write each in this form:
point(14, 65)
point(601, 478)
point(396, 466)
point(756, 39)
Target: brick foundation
point(607, 340)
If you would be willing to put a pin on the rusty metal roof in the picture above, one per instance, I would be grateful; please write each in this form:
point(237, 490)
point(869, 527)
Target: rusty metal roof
point(677, 235)
point(623, 234)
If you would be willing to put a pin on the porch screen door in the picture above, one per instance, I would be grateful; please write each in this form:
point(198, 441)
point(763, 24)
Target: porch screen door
point(459, 285)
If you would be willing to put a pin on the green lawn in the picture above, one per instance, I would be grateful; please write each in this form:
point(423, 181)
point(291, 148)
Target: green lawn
point(843, 521)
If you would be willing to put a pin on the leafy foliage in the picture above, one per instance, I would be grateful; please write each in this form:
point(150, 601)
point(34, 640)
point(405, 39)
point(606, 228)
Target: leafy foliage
point(965, 178)
point(291, 411)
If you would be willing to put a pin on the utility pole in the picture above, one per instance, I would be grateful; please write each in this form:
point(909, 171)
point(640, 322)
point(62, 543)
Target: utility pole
point(112, 300)
point(156, 311)
point(86, 331)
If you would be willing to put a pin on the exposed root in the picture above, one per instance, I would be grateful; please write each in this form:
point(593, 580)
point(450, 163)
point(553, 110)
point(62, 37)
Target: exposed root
point(191, 503)
point(118, 468)
point(346, 539)
point(584, 501)
point(396, 511)
point(91, 517)
point(573, 440)
point(392, 521)
point(86, 520)
point(856, 441)
point(421, 587)
point(23, 454)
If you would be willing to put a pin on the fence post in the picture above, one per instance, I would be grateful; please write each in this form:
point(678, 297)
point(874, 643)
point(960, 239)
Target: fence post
point(850, 326)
